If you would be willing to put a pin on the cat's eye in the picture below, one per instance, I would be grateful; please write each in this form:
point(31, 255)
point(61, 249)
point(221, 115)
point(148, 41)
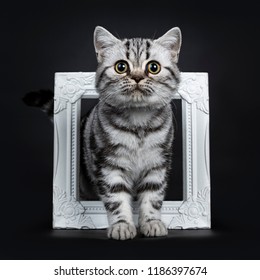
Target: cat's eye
point(153, 67)
point(121, 67)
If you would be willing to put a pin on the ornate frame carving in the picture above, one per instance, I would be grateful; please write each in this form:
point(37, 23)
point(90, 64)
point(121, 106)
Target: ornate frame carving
point(69, 212)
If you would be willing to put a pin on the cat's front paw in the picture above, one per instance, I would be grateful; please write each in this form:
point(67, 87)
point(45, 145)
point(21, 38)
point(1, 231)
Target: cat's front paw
point(153, 228)
point(122, 231)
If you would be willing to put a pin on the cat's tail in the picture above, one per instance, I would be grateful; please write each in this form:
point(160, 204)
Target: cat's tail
point(42, 99)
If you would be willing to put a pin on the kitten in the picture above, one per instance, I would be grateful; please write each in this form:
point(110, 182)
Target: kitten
point(127, 138)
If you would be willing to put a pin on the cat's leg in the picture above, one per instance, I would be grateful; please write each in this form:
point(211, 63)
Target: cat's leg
point(119, 210)
point(150, 197)
point(116, 195)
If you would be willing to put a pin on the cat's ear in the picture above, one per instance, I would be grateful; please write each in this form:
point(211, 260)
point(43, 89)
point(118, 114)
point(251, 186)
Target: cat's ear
point(172, 41)
point(103, 39)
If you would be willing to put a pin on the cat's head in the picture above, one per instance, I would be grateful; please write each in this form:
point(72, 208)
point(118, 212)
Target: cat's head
point(137, 72)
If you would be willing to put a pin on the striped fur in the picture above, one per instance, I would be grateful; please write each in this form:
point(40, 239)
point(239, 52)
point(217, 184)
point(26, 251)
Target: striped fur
point(129, 134)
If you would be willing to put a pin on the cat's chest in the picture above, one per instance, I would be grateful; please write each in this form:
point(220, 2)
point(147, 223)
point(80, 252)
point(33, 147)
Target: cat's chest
point(139, 141)
point(145, 157)
point(140, 156)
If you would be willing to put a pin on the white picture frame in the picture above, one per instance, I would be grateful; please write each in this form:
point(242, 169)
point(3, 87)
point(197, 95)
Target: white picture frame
point(193, 212)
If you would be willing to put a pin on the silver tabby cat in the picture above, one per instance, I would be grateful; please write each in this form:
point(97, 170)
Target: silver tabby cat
point(129, 134)
point(127, 138)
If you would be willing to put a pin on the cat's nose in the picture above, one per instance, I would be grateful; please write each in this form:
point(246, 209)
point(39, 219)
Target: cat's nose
point(137, 78)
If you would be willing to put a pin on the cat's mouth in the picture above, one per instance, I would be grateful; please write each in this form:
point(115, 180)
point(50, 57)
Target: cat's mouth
point(138, 90)
point(137, 95)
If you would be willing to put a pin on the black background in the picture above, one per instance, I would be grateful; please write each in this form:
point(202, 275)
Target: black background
point(43, 37)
